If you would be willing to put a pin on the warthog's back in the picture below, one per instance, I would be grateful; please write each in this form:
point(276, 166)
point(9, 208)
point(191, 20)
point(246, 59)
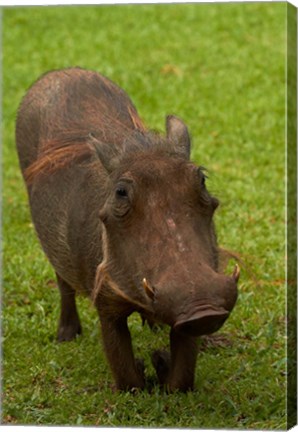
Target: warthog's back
point(73, 102)
point(55, 121)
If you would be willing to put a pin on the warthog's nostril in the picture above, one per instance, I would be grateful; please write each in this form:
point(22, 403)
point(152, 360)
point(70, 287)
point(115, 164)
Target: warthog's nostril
point(204, 321)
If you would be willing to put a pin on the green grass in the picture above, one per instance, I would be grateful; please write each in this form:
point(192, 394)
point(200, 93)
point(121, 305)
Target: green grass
point(221, 68)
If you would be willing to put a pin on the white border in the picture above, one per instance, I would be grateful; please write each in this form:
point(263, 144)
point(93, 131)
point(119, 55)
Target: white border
point(14, 428)
point(111, 2)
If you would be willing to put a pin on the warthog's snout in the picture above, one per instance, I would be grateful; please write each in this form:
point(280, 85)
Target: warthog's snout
point(198, 311)
point(205, 320)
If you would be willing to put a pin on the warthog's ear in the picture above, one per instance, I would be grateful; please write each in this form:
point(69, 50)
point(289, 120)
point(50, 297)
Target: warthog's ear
point(108, 154)
point(177, 134)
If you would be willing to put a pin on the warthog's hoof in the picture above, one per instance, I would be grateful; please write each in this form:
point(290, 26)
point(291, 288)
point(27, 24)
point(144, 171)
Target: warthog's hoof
point(161, 361)
point(69, 332)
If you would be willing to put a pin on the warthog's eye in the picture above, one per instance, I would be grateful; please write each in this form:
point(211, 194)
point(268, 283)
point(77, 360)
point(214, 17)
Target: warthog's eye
point(121, 192)
point(205, 199)
point(122, 200)
point(202, 175)
point(123, 188)
point(203, 179)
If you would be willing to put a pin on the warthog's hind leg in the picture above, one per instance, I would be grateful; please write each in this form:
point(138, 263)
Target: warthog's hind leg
point(69, 324)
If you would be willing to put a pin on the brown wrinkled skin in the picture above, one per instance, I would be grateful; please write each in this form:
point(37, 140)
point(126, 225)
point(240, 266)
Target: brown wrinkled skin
point(124, 217)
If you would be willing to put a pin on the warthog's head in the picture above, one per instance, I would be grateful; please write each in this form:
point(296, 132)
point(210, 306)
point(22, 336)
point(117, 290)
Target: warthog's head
point(160, 250)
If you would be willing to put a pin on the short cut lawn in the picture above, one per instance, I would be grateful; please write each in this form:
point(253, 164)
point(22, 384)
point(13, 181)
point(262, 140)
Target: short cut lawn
point(221, 68)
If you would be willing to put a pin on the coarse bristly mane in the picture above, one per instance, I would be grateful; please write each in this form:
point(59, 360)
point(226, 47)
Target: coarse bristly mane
point(57, 154)
point(74, 144)
point(75, 147)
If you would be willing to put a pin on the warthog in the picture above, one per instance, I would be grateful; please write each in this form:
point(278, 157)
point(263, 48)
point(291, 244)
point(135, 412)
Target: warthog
point(124, 217)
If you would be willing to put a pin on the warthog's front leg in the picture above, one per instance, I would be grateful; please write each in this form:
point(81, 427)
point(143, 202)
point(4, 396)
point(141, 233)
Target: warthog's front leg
point(176, 370)
point(183, 361)
point(127, 371)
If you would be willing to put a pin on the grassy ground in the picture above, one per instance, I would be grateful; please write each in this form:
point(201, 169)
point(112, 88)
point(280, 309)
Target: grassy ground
point(221, 68)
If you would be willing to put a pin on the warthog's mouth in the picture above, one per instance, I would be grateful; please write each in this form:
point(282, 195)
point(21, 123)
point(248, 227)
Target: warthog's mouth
point(205, 320)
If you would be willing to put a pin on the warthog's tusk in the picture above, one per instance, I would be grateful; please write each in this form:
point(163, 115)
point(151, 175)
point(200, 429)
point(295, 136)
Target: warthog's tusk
point(236, 272)
point(148, 289)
